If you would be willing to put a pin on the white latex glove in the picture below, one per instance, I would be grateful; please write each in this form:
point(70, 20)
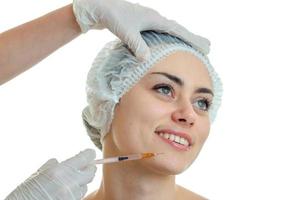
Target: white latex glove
point(126, 20)
point(59, 181)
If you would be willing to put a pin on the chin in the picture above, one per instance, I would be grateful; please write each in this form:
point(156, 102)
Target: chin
point(166, 165)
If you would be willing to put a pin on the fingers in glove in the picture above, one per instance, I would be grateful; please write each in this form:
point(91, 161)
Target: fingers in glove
point(50, 163)
point(81, 160)
point(134, 41)
point(80, 192)
point(87, 175)
point(83, 191)
point(139, 47)
point(173, 28)
point(74, 183)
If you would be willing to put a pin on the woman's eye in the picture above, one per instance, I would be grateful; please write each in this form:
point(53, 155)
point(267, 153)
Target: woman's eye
point(203, 104)
point(164, 89)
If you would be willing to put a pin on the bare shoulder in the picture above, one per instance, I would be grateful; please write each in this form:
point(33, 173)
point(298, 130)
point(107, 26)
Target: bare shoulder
point(183, 193)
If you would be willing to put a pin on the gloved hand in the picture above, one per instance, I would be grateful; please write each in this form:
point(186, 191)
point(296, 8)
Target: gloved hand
point(59, 181)
point(126, 20)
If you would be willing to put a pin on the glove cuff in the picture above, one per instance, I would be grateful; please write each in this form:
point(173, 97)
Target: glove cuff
point(80, 16)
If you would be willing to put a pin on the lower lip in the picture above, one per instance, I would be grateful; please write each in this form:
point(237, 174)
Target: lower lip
point(177, 146)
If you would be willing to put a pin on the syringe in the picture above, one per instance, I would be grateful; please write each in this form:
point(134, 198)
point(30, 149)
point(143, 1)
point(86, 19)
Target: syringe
point(125, 158)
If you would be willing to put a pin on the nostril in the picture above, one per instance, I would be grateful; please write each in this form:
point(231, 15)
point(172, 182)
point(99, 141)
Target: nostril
point(184, 120)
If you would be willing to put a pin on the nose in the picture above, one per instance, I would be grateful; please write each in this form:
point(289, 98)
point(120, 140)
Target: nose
point(184, 115)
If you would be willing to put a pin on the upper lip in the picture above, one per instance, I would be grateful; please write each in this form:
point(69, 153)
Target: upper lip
point(178, 133)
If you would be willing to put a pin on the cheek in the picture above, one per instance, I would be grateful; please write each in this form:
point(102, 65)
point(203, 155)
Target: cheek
point(203, 132)
point(149, 110)
point(123, 124)
point(135, 122)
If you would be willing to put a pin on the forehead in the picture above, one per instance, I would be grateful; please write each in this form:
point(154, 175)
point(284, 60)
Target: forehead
point(184, 65)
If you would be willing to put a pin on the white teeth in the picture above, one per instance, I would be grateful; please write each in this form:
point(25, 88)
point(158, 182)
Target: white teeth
point(172, 137)
point(175, 138)
point(182, 141)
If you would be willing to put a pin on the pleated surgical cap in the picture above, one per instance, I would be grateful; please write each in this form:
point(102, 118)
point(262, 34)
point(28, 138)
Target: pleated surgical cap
point(115, 70)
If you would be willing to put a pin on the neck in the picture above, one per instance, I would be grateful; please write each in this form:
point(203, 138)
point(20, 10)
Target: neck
point(126, 180)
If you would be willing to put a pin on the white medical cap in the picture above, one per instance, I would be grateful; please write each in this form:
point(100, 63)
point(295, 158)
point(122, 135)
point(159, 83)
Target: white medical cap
point(115, 70)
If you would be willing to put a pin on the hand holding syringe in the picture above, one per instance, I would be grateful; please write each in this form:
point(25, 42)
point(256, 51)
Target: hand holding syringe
point(53, 174)
point(125, 158)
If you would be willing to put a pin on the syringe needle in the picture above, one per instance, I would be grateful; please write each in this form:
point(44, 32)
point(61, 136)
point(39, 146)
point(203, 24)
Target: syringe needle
point(126, 158)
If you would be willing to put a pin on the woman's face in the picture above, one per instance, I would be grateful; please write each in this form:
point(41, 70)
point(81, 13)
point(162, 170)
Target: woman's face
point(160, 103)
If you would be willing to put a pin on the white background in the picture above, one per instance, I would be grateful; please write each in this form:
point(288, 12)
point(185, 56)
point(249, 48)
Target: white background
point(253, 148)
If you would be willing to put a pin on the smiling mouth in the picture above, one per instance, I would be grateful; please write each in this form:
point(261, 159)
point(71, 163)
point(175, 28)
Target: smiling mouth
point(179, 143)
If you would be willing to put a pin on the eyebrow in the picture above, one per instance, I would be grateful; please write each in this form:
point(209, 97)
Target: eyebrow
point(180, 82)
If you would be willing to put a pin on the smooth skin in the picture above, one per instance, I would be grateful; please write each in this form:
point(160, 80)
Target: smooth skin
point(139, 114)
